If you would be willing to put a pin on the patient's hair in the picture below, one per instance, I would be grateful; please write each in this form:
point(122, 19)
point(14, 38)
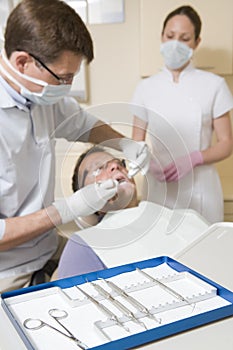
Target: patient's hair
point(75, 179)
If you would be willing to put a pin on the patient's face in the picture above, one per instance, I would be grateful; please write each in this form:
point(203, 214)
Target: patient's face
point(100, 166)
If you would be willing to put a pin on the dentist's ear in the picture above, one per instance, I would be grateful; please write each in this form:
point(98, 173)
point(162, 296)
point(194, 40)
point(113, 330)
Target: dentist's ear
point(21, 60)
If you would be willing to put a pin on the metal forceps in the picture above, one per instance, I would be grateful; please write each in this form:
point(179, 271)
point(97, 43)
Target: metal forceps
point(165, 287)
point(127, 312)
point(140, 307)
point(104, 309)
point(57, 315)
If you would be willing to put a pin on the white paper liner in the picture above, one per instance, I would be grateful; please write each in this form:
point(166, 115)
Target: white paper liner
point(83, 315)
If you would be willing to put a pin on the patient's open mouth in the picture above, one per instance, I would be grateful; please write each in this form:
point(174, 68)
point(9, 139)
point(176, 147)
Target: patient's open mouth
point(121, 179)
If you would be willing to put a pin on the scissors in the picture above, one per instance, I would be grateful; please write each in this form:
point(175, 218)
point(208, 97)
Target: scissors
point(57, 315)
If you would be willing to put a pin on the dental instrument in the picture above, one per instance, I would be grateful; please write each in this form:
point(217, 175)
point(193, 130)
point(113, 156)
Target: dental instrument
point(126, 312)
point(104, 309)
point(165, 287)
point(134, 302)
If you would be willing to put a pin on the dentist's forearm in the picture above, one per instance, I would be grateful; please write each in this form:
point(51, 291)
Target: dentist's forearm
point(21, 229)
point(102, 132)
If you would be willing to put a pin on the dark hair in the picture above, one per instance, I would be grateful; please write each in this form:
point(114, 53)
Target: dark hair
point(190, 13)
point(46, 28)
point(75, 179)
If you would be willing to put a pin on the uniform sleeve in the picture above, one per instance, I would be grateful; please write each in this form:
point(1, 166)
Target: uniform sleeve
point(223, 102)
point(71, 121)
point(2, 228)
point(137, 105)
point(78, 258)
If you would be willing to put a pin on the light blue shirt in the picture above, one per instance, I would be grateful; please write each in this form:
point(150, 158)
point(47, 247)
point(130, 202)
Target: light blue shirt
point(27, 167)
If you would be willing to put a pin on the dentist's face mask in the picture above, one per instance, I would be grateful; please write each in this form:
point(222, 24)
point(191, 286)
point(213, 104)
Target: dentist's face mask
point(50, 94)
point(175, 53)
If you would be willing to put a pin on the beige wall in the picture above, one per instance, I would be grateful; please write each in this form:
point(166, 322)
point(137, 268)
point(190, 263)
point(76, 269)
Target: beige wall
point(115, 69)
point(113, 75)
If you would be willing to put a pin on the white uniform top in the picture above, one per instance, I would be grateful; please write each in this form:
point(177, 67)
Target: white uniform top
point(27, 167)
point(180, 120)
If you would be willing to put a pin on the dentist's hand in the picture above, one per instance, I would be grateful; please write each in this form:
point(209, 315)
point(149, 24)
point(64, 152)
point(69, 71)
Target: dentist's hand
point(138, 154)
point(182, 166)
point(86, 201)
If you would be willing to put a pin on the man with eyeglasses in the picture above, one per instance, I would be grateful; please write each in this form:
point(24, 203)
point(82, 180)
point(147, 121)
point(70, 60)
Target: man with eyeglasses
point(45, 43)
point(125, 229)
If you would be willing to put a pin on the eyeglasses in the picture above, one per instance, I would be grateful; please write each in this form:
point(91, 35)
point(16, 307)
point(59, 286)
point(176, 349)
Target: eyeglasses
point(95, 172)
point(61, 80)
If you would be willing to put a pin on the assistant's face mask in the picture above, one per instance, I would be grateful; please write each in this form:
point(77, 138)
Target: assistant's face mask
point(175, 53)
point(50, 94)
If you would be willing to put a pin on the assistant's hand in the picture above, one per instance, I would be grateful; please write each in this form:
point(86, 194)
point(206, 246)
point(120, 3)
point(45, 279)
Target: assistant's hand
point(157, 171)
point(182, 166)
point(138, 154)
point(86, 201)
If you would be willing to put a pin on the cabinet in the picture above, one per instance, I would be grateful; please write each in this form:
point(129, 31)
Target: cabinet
point(215, 52)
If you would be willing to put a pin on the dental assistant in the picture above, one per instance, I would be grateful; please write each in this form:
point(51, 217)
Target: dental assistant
point(45, 43)
point(179, 109)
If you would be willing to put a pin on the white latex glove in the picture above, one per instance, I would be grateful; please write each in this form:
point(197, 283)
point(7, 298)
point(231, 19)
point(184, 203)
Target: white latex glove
point(86, 201)
point(138, 154)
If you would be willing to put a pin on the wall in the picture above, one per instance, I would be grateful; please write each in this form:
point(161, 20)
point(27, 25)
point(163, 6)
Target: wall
point(115, 69)
point(112, 78)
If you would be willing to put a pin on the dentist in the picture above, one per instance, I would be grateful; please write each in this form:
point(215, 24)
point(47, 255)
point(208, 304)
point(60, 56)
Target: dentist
point(179, 109)
point(45, 43)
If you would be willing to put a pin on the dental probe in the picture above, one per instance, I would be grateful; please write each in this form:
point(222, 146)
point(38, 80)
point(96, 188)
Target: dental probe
point(103, 308)
point(164, 286)
point(134, 302)
point(127, 312)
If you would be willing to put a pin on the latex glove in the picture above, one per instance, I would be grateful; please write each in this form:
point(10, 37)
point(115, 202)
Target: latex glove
point(182, 166)
point(86, 201)
point(157, 171)
point(138, 154)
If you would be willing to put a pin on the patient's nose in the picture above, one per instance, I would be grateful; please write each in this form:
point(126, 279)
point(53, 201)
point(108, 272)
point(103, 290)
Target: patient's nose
point(113, 165)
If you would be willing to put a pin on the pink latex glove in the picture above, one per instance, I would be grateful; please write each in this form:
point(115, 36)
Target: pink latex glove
point(157, 170)
point(182, 166)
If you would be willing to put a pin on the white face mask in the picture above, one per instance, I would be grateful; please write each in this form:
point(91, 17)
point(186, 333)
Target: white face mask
point(175, 53)
point(50, 94)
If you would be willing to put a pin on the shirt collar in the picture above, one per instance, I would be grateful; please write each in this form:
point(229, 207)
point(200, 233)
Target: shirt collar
point(9, 97)
point(186, 70)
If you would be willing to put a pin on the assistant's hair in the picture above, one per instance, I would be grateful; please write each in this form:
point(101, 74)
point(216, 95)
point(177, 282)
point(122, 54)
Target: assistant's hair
point(75, 179)
point(190, 13)
point(45, 28)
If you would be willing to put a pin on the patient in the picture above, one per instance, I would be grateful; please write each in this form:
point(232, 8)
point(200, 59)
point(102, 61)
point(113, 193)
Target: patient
point(125, 230)
point(95, 165)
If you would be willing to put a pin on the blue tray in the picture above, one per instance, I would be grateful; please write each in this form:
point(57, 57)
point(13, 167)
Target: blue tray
point(144, 337)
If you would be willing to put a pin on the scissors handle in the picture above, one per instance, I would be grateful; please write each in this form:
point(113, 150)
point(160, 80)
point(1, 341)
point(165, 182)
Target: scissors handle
point(35, 324)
